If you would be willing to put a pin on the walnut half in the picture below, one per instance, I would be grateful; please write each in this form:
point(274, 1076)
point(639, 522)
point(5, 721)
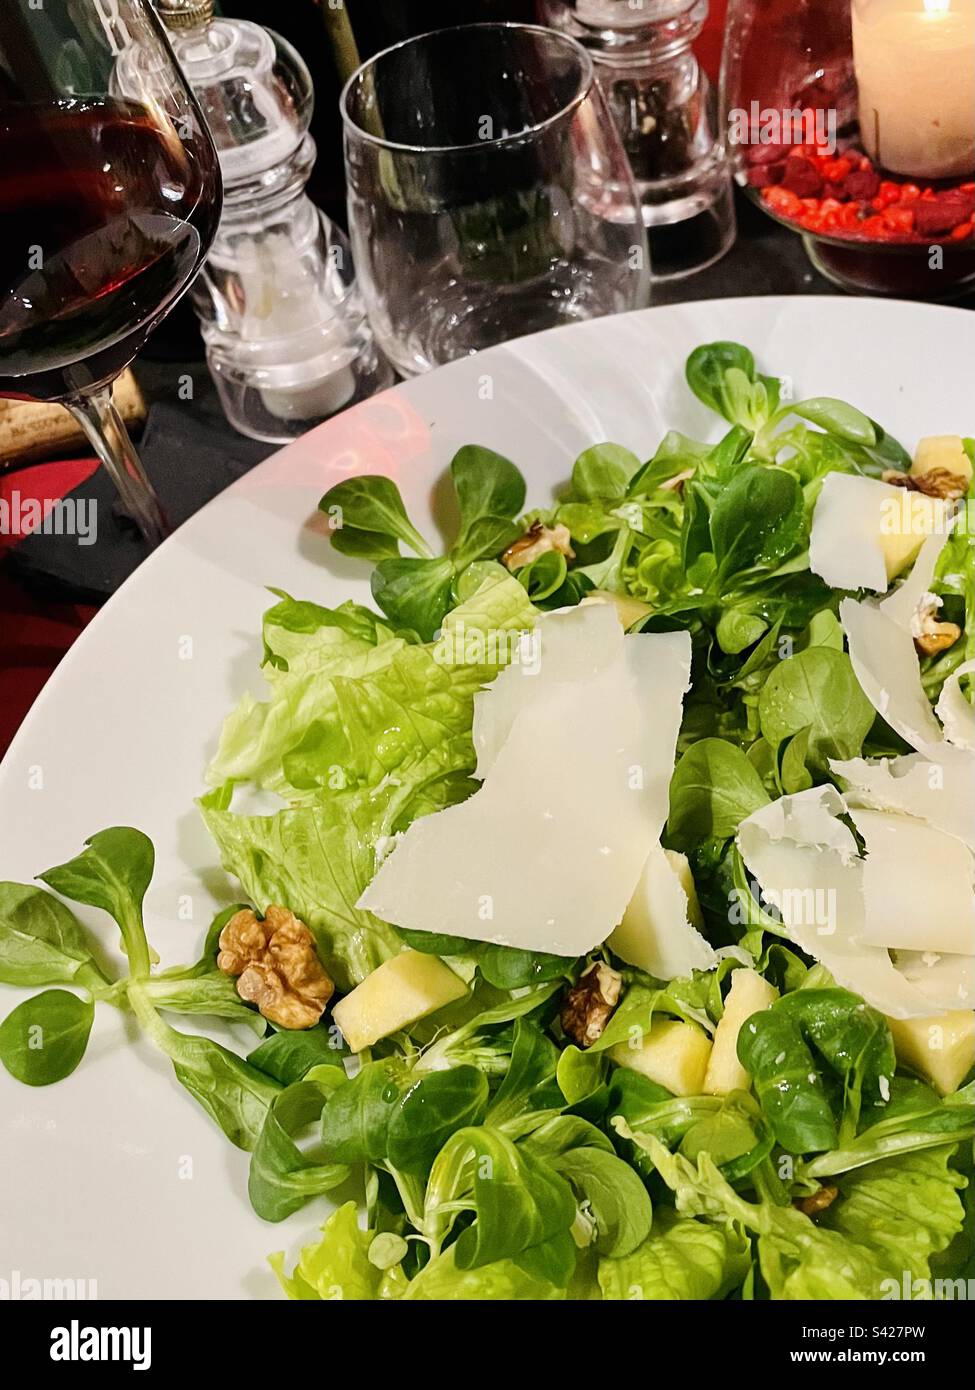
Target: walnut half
point(589, 1005)
point(276, 966)
point(937, 482)
point(930, 635)
point(536, 541)
point(818, 1201)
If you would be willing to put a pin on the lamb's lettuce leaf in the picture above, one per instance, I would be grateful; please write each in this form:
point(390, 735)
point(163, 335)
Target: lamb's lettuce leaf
point(523, 1208)
point(914, 1118)
point(284, 1176)
point(41, 940)
point(794, 1049)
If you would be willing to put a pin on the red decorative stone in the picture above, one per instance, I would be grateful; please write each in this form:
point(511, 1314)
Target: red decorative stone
point(899, 217)
point(841, 195)
point(765, 154)
point(801, 177)
point(835, 170)
point(782, 201)
point(943, 213)
point(862, 184)
point(764, 175)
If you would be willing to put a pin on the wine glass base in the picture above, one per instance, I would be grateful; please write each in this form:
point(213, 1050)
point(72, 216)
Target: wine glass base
point(101, 422)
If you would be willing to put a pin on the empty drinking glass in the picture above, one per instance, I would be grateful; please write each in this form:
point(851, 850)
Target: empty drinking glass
point(489, 193)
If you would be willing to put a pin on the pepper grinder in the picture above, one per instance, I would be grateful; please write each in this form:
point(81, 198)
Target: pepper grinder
point(666, 112)
point(287, 339)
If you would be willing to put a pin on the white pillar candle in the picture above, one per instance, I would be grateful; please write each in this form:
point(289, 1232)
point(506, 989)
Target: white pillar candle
point(915, 69)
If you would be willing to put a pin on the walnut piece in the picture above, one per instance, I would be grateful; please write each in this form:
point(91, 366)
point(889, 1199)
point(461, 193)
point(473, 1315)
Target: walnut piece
point(276, 966)
point(536, 541)
point(930, 635)
point(818, 1201)
point(937, 482)
point(676, 483)
point(589, 1005)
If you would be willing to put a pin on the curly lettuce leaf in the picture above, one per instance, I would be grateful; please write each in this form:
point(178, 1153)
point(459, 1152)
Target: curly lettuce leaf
point(360, 756)
point(351, 702)
point(337, 1267)
point(315, 860)
point(682, 1258)
point(502, 1280)
point(301, 636)
point(888, 1219)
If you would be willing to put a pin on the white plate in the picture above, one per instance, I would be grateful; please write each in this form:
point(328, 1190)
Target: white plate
point(115, 1175)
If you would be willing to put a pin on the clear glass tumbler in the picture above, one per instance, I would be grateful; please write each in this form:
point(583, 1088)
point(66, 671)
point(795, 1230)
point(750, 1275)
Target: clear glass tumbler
point(489, 192)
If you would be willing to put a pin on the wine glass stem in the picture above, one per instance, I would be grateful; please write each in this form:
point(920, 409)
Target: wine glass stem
point(101, 422)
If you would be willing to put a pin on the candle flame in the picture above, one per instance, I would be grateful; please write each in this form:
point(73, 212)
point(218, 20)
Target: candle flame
point(937, 6)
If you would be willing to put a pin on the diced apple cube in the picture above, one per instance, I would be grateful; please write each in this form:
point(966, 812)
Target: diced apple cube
point(942, 452)
point(681, 867)
point(749, 994)
point(940, 1049)
point(907, 520)
point(629, 610)
point(674, 1054)
point(397, 993)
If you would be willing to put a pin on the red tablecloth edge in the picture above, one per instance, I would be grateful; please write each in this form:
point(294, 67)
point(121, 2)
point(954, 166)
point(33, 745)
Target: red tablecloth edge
point(36, 633)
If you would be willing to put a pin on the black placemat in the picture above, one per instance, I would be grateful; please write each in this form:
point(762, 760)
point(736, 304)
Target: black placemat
point(190, 456)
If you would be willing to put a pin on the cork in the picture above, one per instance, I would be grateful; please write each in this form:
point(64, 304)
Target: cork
point(32, 431)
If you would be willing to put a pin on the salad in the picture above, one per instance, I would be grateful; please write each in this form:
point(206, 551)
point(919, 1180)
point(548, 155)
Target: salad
point(605, 924)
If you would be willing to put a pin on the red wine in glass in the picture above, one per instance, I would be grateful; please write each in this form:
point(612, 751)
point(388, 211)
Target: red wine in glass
point(106, 219)
point(109, 199)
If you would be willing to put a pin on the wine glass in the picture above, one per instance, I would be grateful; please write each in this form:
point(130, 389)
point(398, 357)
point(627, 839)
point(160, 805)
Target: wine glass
point(489, 192)
point(109, 198)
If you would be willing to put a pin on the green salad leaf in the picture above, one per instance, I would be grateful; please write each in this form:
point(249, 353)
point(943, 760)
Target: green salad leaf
point(283, 1176)
point(681, 1258)
point(713, 789)
point(113, 872)
point(337, 1268)
point(43, 1039)
point(520, 1205)
point(888, 1219)
point(815, 694)
point(42, 942)
point(782, 1046)
point(443, 1280)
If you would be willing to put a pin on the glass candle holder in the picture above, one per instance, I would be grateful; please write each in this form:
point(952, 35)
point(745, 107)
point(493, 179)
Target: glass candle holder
point(666, 112)
point(854, 124)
